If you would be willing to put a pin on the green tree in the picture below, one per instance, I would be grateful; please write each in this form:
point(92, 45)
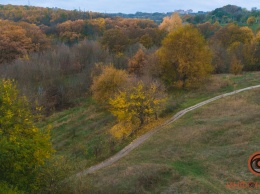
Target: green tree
point(184, 58)
point(23, 147)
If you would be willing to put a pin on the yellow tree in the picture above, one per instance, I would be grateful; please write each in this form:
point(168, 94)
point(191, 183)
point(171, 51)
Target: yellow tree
point(108, 83)
point(251, 20)
point(23, 147)
point(171, 23)
point(137, 102)
point(184, 58)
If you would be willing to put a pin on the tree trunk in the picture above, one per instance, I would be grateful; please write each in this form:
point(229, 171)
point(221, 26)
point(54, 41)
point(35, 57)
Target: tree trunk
point(156, 116)
point(141, 117)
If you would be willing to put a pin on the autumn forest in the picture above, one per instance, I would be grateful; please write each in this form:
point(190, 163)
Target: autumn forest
point(128, 67)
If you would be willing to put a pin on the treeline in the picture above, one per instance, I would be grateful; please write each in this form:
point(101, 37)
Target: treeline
point(55, 69)
point(20, 38)
point(44, 16)
point(225, 15)
point(50, 17)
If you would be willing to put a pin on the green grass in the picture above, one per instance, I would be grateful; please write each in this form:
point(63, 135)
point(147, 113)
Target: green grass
point(192, 168)
point(81, 134)
point(199, 153)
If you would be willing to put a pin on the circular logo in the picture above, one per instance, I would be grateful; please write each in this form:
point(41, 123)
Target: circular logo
point(254, 163)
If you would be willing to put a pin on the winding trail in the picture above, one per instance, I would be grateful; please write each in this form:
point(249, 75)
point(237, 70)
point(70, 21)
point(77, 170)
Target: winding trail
point(144, 137)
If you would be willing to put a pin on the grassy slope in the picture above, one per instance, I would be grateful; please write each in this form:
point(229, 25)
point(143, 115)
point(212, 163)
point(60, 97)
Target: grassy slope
point(81, 131)
point(197, 154)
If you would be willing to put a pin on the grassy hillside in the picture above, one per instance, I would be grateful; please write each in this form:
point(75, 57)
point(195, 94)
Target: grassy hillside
point(199, 153)
point(81, 134)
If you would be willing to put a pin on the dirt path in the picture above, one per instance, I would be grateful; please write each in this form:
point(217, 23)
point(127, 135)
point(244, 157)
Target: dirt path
point(144, 137)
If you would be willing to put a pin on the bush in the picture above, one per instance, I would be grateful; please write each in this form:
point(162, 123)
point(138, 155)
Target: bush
point(108, 83)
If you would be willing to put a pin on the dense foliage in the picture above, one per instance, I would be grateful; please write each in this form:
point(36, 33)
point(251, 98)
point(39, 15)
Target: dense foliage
point(184, 57)
point(137, 102)
point(24, 148)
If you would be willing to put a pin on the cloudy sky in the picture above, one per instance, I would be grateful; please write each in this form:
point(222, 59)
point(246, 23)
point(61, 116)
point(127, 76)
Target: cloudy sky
point(132, 6)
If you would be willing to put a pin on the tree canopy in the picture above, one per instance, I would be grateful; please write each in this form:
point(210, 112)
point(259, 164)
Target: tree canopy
point(137, 102)
point(23, 147)
point(171, 23)
point(19, 39)
point(184, 57)
point(108, 83)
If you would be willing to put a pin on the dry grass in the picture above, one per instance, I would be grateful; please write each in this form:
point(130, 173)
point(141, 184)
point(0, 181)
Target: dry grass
point(197, 154)
point(215, 83)
point(81, 131)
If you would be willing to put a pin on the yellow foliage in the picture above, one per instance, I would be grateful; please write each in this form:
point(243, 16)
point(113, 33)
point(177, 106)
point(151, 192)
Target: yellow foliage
point(23, 147)
point(251, 20)
point(122, 130)
point(108, 83)
point(171, 23)
point(184, 58)
point(137, 102)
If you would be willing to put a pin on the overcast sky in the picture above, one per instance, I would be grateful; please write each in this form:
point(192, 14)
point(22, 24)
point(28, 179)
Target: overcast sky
point(132, 6)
